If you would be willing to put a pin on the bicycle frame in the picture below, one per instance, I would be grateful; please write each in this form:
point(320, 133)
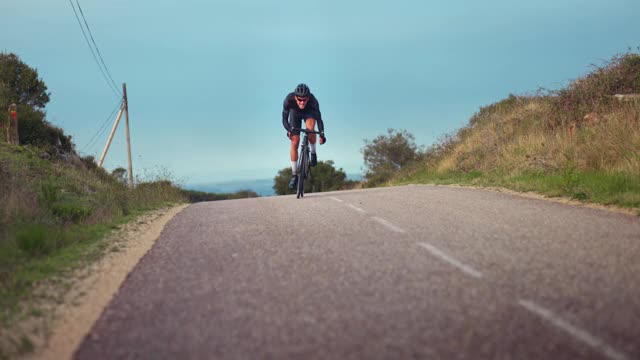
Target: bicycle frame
point(304, 170)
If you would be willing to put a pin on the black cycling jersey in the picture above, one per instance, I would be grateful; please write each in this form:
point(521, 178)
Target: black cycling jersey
point(311, 110)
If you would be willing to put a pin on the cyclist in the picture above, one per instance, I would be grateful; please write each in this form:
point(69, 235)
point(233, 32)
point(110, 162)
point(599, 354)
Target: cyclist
point(301, 105)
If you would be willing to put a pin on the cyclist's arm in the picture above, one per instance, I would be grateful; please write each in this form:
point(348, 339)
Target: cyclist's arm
point(320, 125)
point(316, 106)
point(285, 114)
point(285, 119)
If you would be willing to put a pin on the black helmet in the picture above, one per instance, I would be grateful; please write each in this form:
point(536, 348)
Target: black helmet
point(302, 90)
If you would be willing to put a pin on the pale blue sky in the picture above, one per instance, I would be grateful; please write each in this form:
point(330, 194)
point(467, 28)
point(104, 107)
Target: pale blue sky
point(206, 79)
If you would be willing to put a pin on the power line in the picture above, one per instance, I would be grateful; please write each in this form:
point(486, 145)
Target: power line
point(102, 128)
point(96, 46)
point(113, 88)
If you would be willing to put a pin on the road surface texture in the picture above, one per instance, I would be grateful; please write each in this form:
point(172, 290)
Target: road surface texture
point(410, 272)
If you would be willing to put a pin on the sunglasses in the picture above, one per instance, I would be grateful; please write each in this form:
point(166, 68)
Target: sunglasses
point(305, 99)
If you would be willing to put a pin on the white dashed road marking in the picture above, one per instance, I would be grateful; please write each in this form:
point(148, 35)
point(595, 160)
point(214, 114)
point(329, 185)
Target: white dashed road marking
point(388, 224)
point(574, 331)
point(467, 269)
point(356, 208)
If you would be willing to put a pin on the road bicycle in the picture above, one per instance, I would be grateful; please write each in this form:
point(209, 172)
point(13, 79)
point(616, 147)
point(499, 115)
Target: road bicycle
point(304, 169)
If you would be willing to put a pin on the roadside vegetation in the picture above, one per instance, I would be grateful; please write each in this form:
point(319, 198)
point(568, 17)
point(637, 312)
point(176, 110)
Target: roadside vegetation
point(324, 177)
point(580, 142)
point(200, 196)
point(57, 207)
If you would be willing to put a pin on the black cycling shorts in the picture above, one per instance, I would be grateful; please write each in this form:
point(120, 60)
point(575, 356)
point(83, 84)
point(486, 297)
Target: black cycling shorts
point(296, 117)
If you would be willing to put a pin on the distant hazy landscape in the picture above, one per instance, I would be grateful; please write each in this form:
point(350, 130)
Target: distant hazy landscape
point(264, 187)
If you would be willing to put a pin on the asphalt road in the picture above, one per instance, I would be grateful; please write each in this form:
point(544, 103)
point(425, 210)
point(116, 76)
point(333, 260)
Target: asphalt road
point(411, 272)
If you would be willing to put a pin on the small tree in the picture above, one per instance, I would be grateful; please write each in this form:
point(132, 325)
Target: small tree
point(324, 177)
point(120, 174)
point(20, 84)
point(386, 154)
point(281, 181)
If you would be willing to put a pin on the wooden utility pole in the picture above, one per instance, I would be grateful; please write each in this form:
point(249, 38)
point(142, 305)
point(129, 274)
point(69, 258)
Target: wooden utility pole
point(113, 131)
point(124, 108)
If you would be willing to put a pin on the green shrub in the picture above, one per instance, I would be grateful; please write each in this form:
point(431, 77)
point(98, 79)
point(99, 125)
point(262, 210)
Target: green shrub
point(70, 213)
point(48, 193)
point(35, 130)
point(35, 239)
point(593, 92)
point(90, 162)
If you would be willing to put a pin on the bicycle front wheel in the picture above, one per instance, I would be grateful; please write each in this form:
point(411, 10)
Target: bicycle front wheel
point(302, 174)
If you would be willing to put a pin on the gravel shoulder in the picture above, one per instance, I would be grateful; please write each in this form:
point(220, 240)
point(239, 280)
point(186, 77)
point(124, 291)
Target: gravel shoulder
point(95, 286)
point(557, 199)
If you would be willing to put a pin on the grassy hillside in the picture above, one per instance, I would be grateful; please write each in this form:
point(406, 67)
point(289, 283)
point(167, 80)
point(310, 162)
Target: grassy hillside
point(54, 213)
point(581, 142)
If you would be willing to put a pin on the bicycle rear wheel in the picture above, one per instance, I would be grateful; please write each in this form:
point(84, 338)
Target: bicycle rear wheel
point(307, 167)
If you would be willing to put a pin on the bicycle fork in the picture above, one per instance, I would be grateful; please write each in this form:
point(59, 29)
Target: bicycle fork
point(304, 149)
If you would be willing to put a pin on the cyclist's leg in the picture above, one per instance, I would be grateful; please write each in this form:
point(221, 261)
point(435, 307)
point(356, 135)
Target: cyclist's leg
point(295, 121)
point(295, 142)
point(311, 124)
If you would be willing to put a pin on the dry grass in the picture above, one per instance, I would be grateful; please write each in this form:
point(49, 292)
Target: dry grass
point(614, 143)
point(524, 133)
point(579, 142)
point(517, 140)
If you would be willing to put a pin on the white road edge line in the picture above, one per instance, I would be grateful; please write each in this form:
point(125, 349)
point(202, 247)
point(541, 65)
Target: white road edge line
point(467, 269)
point(336, 199)
point(574, 331)
point(388, 224)
point(356, 208)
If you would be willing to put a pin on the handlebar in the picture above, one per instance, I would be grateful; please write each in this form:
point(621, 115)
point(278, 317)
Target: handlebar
point(306, 131)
